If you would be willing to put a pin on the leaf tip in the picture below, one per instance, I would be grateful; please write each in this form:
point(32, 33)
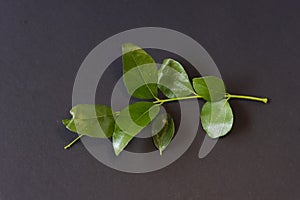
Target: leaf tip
point(160, 151)
point(128, 47)
point(116, 148)
point(117, 153)
point(65, 122)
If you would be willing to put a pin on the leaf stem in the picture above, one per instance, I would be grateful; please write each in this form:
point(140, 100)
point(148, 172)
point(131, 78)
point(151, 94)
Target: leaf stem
point(264, 100)
point(228, 96)
point(161, 101)
point(71, 143)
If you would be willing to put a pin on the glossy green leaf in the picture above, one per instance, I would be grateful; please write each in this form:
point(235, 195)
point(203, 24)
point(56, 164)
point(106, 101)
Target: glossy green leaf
point(120, 140)
point(163, 130)
point(91, 120)
point(131, 121)
point(211, 88)
point(140, 72)
point(173, 81)
point(216, 118)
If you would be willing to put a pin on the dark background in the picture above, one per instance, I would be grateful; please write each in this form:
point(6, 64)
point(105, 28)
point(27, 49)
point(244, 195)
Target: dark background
point(256, 47)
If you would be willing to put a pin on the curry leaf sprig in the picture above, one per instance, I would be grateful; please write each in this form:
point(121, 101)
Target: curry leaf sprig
point(143, 81)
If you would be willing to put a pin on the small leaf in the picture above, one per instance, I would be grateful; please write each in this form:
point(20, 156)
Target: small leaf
point(91, 120)
point(210, 88)
point(140, 72)
point(173, 81)
point(131, 121)
point(163, 131)
point(216, 118)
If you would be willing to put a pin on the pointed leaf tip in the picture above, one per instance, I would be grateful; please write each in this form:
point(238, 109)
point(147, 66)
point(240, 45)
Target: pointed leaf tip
point(128, 47)
point(65, 121)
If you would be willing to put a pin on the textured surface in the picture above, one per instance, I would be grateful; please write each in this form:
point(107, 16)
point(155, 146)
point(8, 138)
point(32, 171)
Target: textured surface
point(255, 45)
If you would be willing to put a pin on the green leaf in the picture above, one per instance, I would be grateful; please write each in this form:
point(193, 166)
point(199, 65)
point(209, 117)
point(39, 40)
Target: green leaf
point(131, 121)
point(140, 72)
point(210, 88)
point(173, 81)
point(91, 120)
point(69, 123)
point(120, 140)
point(135, 117)
point(66, 121)
point(216, 118)
point(163, 131)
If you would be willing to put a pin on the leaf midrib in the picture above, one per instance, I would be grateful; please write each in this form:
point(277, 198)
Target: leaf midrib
point(142, 75)
point(97, 116)
point(144, 113)
point(210, 124)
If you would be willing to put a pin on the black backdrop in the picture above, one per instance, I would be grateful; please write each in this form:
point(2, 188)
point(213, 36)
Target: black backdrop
point(254, 44)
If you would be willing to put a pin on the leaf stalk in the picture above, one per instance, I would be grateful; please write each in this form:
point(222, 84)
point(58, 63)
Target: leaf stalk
point(227, 96)
point(71, 143)
point(161, 101)
point(264, 100)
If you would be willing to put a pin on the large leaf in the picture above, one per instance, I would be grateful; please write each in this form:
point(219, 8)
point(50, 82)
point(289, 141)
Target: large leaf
point(216, 118)
point(140, 72)
point(91, 120)
point(173, 81)
point(163, 131)
point(131, 121)
point(210, 88)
